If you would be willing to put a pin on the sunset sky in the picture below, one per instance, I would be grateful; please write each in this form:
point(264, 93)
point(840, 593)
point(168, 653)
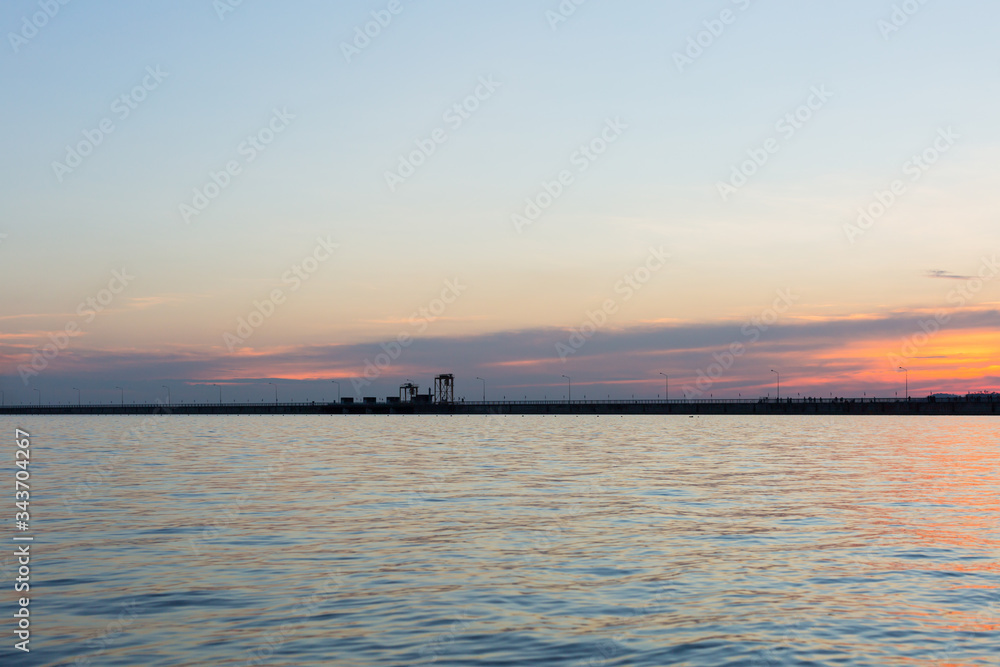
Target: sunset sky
point(498, 190)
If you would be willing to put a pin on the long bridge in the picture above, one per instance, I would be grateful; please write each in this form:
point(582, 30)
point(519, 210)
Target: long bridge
point(987, 404)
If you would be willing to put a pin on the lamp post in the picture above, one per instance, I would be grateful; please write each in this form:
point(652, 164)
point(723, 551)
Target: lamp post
point(484, 389)
point(78, 394)
point(168, 393)
point(338, 389)
point(666, 386)
point(39, 396)
point(220, 393)
point(123, 394)
point(275, 392)
point(1, 398)
point(569, 388)
point(907, 381)
point(778, 392)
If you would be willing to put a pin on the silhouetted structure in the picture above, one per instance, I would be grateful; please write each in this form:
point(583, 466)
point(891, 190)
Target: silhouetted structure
point(444, 388)
point(408, 392)
point(424, 404)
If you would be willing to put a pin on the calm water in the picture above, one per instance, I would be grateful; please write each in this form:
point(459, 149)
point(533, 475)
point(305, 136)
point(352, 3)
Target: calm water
point(511, 541)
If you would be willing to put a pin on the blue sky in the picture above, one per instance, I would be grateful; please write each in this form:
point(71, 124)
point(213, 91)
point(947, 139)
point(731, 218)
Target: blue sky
point(656, 186)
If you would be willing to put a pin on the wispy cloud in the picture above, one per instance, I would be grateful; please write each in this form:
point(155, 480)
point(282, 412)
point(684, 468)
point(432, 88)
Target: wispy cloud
point(29, 316)
point(847, 352)
point(142, 302)
point(937, 273)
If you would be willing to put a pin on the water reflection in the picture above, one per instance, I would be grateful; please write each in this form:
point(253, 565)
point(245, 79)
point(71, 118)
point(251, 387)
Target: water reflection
point(519, 540)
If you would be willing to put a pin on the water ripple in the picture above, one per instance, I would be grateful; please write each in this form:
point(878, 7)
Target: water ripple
point(515, 541)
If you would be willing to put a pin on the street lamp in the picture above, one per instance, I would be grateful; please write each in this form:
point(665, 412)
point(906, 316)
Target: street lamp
point(123, 394)
point(778, 393)
point(78, 394)
point(168, 392)
point(220, 393)
point(39, 396)
point(569, 388)
point(907, 381)
point(1, 397)
point(484, 389)
point(338, 389)
point(666, 386)
point(275, 393)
